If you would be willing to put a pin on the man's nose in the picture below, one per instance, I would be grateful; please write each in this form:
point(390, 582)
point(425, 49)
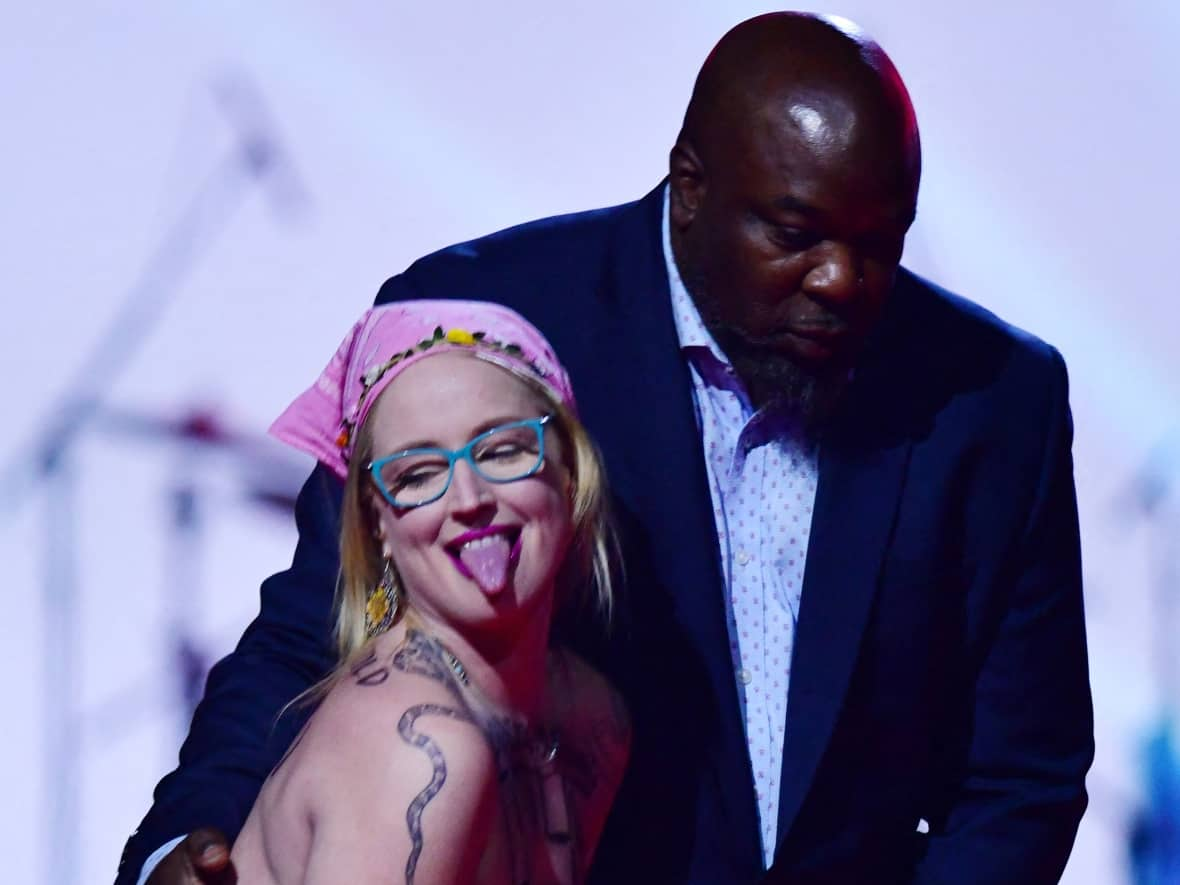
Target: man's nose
point(836, 275)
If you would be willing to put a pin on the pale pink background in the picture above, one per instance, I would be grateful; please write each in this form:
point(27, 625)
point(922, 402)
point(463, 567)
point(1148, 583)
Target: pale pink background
point(1049, 195)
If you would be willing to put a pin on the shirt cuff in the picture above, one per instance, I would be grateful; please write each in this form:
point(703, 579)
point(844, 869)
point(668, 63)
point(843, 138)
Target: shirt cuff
point(155, 857)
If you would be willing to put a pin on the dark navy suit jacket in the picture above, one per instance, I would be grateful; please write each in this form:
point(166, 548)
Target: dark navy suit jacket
point(940, 664)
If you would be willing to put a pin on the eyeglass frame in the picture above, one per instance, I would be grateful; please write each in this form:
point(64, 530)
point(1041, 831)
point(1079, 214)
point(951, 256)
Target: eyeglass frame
point(455, 455)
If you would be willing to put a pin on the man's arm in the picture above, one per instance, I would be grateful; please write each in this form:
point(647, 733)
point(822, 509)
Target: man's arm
point(237, 735)
point(1014, 813)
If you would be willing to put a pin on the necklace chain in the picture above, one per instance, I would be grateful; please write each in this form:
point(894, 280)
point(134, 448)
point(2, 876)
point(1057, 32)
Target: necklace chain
point(537, 747)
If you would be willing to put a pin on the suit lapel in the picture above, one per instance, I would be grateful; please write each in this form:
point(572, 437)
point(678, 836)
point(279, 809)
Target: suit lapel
point(862, 469)
point(660, 474)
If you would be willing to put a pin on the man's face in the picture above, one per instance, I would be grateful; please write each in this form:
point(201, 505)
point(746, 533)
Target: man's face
point(789, 241)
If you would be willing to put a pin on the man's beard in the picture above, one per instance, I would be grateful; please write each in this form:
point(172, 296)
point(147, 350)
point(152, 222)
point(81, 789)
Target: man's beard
point(773, 379)
point(809, 395)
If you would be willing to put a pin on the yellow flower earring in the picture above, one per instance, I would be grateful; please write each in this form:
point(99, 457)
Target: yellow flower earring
point(381, 608)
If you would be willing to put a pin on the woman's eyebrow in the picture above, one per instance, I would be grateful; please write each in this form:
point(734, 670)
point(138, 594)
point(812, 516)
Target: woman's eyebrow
point(482, 427)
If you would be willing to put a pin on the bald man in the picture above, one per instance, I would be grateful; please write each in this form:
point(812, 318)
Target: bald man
point(852, 636)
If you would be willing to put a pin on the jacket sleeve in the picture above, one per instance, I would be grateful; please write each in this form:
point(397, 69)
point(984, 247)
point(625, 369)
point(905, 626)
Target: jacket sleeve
point(240, 729)
point(1013, 813)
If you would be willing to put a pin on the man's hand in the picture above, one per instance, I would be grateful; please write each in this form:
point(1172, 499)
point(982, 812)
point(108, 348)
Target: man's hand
point(201, 859)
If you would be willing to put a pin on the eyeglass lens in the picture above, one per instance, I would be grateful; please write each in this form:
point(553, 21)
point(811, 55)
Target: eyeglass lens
point(501, 455)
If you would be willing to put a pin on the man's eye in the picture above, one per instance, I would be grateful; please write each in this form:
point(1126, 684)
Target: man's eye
point(883, 247)
point(794, 238)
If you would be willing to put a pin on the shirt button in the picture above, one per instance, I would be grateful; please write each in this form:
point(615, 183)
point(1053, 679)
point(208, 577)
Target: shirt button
point(743, 557)
point(745, 676)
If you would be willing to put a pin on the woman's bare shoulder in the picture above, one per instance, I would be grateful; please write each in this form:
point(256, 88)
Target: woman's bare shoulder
point(385, 716)
point(391, 752)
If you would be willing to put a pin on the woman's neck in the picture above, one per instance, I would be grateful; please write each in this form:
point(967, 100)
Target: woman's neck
point(510, 671)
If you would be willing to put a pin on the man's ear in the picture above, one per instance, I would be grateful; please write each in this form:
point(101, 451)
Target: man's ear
point(686, 180)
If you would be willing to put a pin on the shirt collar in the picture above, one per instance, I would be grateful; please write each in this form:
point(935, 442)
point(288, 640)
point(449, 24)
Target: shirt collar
point(696, 342)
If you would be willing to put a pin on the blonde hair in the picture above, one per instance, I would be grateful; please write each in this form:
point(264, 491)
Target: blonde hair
point(585, 576)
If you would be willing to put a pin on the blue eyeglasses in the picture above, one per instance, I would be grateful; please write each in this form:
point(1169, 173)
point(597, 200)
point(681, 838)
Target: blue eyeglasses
point(503, 454)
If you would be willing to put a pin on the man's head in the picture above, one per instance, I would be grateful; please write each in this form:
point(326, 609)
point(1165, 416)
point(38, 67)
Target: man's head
point(793, 183)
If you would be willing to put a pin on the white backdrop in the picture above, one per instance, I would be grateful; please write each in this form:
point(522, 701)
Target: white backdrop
point(1050, 137)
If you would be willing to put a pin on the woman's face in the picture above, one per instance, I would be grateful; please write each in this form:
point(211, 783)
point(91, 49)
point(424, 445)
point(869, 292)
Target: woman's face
point(485, 554)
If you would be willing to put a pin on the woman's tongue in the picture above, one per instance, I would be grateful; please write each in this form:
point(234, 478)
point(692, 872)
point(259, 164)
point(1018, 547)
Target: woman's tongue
point(487, 559)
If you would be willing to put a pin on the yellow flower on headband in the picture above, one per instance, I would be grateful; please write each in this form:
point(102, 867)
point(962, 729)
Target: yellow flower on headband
point(460, 336)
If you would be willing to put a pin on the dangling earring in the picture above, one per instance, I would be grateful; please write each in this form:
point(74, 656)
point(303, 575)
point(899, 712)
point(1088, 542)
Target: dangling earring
point(381, 607)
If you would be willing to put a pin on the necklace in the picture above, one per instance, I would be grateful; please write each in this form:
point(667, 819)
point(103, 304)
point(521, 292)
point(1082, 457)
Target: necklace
point(454, 663)
point(537, 747)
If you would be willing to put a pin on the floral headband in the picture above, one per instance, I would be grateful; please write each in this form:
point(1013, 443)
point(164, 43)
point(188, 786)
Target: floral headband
point(389, 338)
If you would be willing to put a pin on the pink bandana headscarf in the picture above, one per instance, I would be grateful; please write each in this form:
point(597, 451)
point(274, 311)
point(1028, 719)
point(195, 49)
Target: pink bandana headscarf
point(387, 339)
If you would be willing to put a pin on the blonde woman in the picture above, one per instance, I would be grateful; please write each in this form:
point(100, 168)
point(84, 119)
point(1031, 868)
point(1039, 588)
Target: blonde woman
point(455, 743)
